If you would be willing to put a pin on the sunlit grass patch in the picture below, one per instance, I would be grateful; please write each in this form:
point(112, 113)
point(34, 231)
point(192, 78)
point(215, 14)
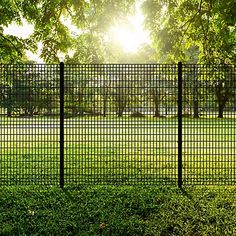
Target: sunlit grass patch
point(119, 150)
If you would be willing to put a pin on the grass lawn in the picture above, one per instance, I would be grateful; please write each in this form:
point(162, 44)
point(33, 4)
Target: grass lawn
point(117, 151)
point(122, 210)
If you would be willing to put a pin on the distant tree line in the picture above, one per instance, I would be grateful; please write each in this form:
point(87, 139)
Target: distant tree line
point(29, 90)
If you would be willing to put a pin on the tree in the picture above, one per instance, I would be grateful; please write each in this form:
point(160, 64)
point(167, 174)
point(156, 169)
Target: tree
point(192, 89)
point(225, 82)
point(27, 89)
point(49, 83)
point(104, 91)
point(121, 93)
point(12, 47)
point(76, 89)
point(178, 26)
point(196, 31)
point(91, 17)
point(88, 49)
point(6, 100)
point(161, 86)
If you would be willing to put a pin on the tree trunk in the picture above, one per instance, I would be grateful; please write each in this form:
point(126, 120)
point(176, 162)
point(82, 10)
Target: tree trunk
point(74, 111)
point(105, 102)
point(120, 111)
point(119, 114)
point(221, 110)
point(49, 111)
point(9, 112)
point(156, 101)
point(195, 109)
point(157, 112)
point(121, 105)
point(222, 97)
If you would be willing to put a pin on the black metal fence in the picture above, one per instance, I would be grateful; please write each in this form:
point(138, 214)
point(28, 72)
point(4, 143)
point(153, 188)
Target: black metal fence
point(143, 124)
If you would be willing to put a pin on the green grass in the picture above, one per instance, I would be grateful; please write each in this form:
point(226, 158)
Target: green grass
point(117, 151)
point(118, 211)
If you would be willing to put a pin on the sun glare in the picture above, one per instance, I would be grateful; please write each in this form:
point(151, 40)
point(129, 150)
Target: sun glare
point(130, 35)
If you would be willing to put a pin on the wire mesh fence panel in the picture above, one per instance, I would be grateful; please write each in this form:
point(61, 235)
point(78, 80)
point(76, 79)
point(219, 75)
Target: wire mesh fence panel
point(29, 120)
point(120, 124)
point(209, 110)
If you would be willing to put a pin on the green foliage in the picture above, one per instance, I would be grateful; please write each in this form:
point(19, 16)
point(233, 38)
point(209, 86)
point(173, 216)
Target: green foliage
point(118, 211)
point(179, 26)
point(88, 49)
point(76, 93)
point(25, 89)
point(12, 47)
point(92, 17)
point(181, 30)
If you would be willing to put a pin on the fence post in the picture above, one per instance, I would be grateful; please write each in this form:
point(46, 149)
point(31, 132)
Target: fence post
point(61, 124)
point(180, 104)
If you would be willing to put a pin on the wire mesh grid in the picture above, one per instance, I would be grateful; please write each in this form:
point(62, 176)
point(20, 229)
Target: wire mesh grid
point(209, 106)
point(118, 124)
point(29, 124)
point(121, 125)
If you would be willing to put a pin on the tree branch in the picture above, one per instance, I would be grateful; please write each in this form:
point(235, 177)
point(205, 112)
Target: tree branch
point(189, 22)
point(14, 46)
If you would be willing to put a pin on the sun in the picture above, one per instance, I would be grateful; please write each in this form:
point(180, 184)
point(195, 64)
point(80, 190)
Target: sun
point(131, 34)
point(129, 39)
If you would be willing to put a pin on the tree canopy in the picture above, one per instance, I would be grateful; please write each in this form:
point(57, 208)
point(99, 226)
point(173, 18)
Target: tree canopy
point(193, 30)
point(92, 17)
point(187, 30)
